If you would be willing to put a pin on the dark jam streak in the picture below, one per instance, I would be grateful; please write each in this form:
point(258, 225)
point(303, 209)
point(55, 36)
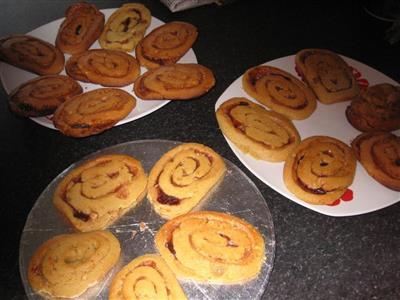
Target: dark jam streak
point(165, 199)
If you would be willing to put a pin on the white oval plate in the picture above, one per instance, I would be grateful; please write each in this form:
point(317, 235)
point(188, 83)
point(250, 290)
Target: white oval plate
point(330, 120)
point(12, 77)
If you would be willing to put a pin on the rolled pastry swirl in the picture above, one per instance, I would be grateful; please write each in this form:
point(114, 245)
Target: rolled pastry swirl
point(31, 54)
point(42, 95)
point(182, 177)
point(166, 44)
point(379, 153)
point(319, 170)
point(125, 27)
point(211, 247)
point(174, 82)
point(93, 112)
point(68, 264)
point(263, 134)
point(280, 91)
point(82, 26)
point(377, 109)
point(328, 75)
point(146, 277)
point(106, 67)
point(98, 192)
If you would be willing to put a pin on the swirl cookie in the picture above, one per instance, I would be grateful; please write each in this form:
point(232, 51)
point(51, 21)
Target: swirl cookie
point(379, 154)
point(319, 170)
point(82, 26)
point(125, 27)
point(211, 247)
point(174, 82)
point(31, 54)
point(280, 91)
point(166, 44)
point(68, 264)
point(146, 277)
point(377, 109)
point(105, 67)
point(42, 95)
point(93, 112)
point(263, 134)
point(98, 192)
point(182, 177)
point(327, 74)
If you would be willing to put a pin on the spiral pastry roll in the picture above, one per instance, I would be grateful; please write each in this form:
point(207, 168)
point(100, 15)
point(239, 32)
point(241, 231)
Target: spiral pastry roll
point(280, 91)
point(213, 247)
point(68, 264)
point(105, 67)
point(31, 54)
point(166, 44)
point(261, 133)
point(379, 154)
point(125, 27)
point(377, 109)
point(327, 74)
point(182, 177)
point(174, 82)
point(42, 95)
point(98, 192)
point(319, 170)
point(146, 277)
point(82, 26)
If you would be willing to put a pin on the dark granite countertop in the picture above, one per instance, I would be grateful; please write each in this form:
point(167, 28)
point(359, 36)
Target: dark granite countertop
point(317, 257)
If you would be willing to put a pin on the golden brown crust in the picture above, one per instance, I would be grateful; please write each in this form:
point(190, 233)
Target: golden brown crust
point(211, 247)
point(68, 264)
point(379, 153)
point(125, 27)
point(174, 82)
point(82, 26)
point(319, 170)
point(183, 177)
point(42, 95)
point(280, 91)
point(105, 67)
point(146, 275)
point(93, 112)
point(31, 54)
point(166, 44)
point(98, 192)
point(263, 134)
point(327, 74)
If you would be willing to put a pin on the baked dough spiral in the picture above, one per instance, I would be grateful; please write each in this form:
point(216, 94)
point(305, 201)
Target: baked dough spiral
point(146, 277)
point(319, 170)
point(68, 264)
point(182, 177)
point(263, 134)
point(211, 247)
point(280, 91)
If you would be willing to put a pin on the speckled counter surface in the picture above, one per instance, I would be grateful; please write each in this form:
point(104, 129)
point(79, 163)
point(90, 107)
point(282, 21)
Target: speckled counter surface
point(317, 257)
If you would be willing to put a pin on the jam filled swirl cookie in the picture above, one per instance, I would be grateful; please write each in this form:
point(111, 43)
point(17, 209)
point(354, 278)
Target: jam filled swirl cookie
point(263, 134)
point(327, 74)
point(42, 95)
point(211, 247)
point(31, 54)
point(319, 170)
point(68, 264)
point(166, 44)
point(146, 277)
point(98, 192)
point(182, 177)
point(82, 26)
point(174, 82)
point(125, 27)
point(280, 91)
